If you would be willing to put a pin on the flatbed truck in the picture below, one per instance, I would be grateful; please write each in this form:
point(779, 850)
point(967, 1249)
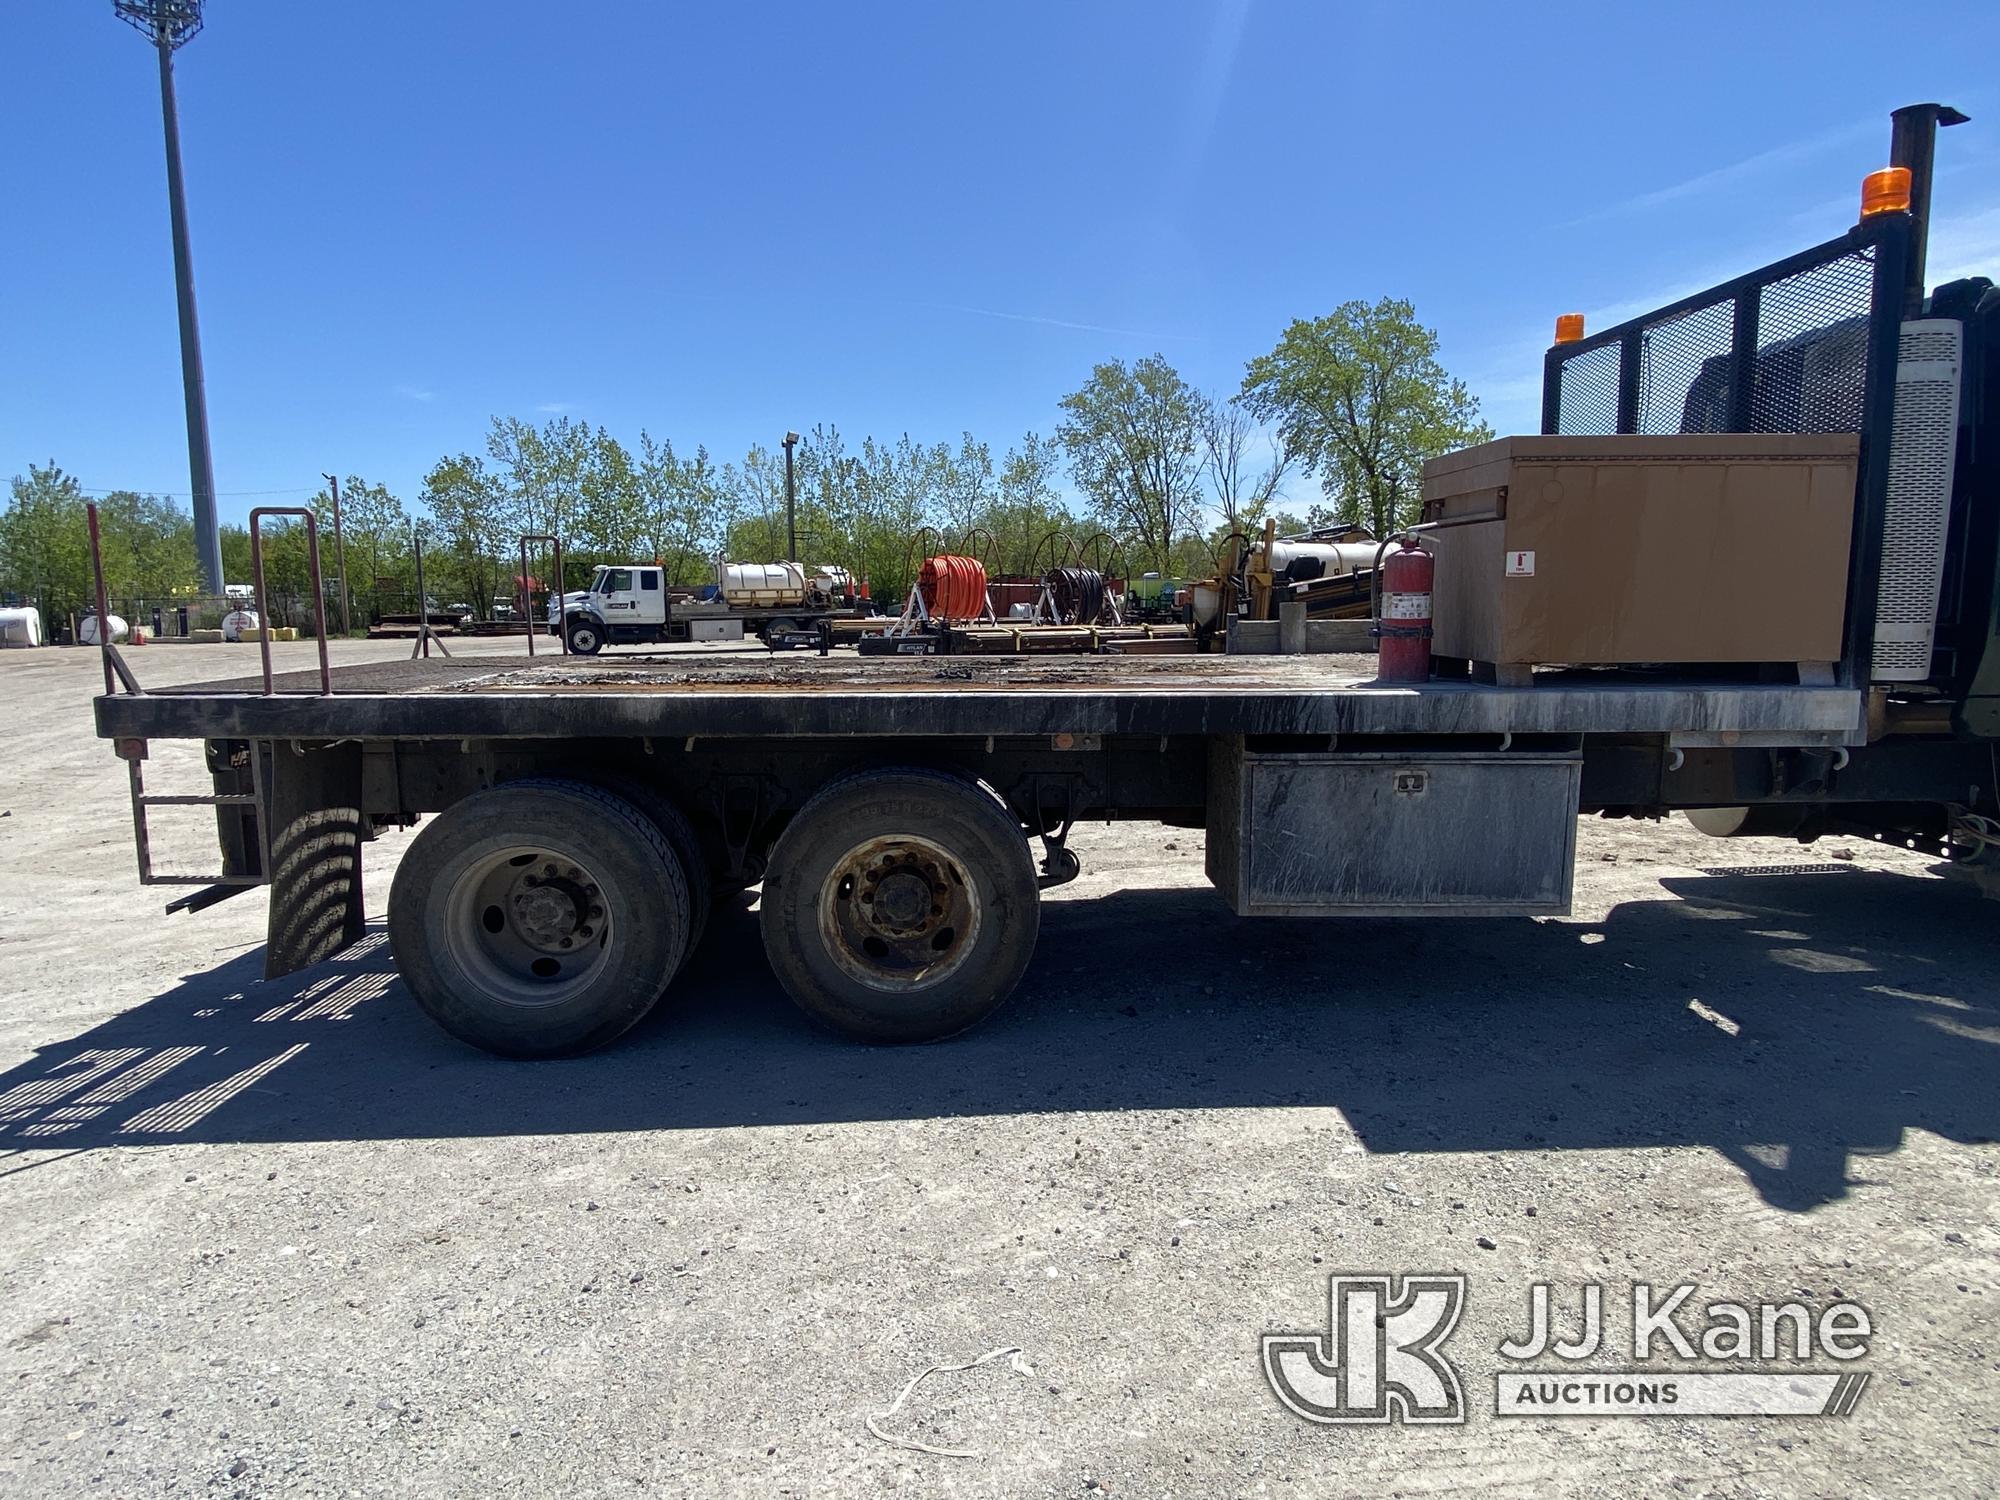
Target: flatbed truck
point(634, 605)
point(903, 816)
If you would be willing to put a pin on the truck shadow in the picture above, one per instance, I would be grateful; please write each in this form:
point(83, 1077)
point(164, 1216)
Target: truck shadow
point(1793, 1019)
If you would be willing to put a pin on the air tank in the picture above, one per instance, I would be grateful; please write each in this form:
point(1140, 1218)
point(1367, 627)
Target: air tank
point(744, 585)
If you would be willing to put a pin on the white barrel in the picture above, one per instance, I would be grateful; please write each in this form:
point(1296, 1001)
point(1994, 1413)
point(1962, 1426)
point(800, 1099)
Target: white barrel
point(86, 630)
point(832, 580)
point(22, 627)
point(780, 583)
point(236, 622)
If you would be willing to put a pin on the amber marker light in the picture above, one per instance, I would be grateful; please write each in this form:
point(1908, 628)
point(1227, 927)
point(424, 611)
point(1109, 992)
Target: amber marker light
point(1885, 192)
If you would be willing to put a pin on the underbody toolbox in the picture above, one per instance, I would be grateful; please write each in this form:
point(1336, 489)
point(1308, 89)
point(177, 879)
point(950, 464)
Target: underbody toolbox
point(1385, 834)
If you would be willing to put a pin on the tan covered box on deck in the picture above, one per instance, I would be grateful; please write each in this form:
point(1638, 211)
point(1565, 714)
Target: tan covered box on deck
point(1713, 547)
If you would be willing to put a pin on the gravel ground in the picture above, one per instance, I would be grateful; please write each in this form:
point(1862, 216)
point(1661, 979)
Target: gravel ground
point(286, 1238)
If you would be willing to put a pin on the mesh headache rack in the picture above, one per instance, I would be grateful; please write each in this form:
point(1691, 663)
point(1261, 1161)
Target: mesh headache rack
point(1806, 344)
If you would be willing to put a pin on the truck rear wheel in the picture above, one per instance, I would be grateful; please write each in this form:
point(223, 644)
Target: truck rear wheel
point(777, 634)
point(900, 906)
point(586, 637)
point(541, 918)
point(679, 833)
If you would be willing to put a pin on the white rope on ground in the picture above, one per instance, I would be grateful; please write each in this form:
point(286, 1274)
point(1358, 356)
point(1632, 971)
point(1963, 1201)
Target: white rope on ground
point(1011, 1353)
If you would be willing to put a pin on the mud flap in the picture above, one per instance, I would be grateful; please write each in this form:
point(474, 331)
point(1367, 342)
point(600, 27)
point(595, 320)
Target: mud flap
point(316, 828)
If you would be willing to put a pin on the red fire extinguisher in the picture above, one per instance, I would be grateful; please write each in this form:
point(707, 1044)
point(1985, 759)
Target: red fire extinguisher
point(1404, 630)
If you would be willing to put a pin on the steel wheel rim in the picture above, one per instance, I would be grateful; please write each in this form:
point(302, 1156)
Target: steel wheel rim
point(530, 926)
point(583, 638)
point(899, 913)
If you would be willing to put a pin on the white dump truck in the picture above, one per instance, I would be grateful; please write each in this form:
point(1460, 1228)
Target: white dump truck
point(779, 603)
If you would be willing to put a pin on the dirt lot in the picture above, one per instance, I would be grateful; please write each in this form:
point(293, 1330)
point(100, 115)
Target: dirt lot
point(287, 1238)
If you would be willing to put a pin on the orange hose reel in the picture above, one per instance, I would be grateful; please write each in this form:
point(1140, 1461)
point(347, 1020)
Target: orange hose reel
point(953, 587)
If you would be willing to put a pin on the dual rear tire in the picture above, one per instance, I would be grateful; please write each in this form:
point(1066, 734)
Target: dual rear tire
point(900, 906)
point(541, 918)
point(545, 917)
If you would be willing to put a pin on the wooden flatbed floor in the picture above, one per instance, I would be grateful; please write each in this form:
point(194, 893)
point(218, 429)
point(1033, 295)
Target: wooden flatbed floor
point(738, 694)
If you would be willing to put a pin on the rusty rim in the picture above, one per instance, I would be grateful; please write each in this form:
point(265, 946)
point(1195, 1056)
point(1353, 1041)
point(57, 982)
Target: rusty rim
point(899, 912)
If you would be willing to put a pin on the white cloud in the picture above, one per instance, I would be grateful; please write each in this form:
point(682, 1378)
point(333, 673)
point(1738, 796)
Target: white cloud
point(554, 407)
point(415, 393)
point(1750, 166)
point(1014, 317)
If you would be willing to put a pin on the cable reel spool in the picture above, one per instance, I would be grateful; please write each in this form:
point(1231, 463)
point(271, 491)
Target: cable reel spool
point(1077, 594)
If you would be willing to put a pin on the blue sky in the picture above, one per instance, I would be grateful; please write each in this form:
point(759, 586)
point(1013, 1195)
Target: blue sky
point(722, 221)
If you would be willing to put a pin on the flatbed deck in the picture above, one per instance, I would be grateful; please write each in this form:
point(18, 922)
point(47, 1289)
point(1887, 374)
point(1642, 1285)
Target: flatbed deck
point(737, 694)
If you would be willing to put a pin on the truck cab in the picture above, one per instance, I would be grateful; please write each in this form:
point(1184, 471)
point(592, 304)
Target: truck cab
point(634, 604)
point(624, 604)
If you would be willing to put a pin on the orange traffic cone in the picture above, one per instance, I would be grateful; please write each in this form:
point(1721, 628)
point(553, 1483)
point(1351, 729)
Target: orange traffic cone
point(864, 585)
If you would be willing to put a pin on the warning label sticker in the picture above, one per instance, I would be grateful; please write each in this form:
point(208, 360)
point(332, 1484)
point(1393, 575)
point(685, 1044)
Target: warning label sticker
point(1520, 565)
point(1406, 606)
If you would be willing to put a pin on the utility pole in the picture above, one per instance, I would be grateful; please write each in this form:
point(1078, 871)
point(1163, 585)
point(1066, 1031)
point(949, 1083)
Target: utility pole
point(170, 24)
point(791, 502)
point(339, 552)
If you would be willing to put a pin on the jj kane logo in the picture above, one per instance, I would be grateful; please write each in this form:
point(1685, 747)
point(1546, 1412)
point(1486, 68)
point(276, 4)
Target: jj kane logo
point(1380, 1359)
point(1381, 1356)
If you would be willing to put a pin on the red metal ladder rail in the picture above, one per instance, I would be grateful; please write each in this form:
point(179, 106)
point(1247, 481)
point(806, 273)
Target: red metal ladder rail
point(117, 672)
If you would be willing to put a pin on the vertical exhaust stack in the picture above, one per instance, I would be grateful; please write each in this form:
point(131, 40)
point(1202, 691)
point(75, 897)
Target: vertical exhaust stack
point(1913, 144)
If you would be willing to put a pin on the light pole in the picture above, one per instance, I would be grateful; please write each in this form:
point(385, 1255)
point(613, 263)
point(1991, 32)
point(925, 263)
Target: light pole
point(170, 24)
point(791, 502)
point(339, 552)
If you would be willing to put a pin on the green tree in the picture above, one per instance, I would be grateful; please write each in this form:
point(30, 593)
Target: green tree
point(1028, 505)
point(755, 523)
point(45, 542)
point(1240, 492)
point(1359, 398)
point(678, 508)
point(896, 488)
point(147, 543)
point(375, 531)
point(829, 484)
point(610, 517)
point(470, 511)
point(1133, 439)
point(965, 488)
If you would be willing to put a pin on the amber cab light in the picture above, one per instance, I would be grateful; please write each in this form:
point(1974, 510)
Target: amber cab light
point(1569, 328)
point(1885, 192)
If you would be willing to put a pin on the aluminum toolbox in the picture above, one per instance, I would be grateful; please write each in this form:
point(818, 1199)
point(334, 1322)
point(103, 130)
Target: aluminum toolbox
point(1370, 833)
